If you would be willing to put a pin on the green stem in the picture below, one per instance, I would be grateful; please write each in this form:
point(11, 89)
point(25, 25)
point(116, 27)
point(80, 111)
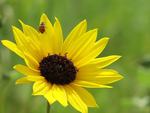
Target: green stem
point(48, 107)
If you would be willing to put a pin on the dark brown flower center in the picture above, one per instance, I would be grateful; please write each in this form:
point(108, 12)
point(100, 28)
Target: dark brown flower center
point(58, 69)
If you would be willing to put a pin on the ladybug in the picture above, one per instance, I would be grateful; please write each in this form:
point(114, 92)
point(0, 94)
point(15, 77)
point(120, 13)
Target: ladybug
point(42, 27)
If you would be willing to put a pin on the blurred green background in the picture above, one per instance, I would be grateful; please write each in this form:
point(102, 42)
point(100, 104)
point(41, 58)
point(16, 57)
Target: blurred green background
point(126, 22)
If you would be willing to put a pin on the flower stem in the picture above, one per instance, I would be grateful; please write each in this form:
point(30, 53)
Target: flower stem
point(48, 107)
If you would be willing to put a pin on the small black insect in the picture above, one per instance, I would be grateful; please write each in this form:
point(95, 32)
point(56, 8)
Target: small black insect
point(42, 27)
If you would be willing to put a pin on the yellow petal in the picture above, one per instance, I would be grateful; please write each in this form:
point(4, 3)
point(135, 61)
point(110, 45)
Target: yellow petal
point(85, 96)
point(41, 87)
point(47, 23)
point(59, 94)
point(29, 31)
point(31, 62)
point(75, 100)
point(95, 51)
point(99, 46)
point(27, 44)
point(74, 34)
point(100, 78)
point(50, 97)
point(108, 79)
point(46, 44)
point(104, 61)
point(29, 79)
point(35, 78)
point(88, 84)
point(26, 70)
point(82, 45)
point(59, 34)
point(23, 80)
point(87, 69)
point(17, 34)
point(107, 72)
point(12, 46)
point(34, 37)
point(91, 71)
point(50, 36)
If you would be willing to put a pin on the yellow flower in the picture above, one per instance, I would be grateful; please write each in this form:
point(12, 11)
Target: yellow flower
point(62, 69)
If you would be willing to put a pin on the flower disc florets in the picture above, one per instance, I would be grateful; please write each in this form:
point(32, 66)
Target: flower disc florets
point(58, 69)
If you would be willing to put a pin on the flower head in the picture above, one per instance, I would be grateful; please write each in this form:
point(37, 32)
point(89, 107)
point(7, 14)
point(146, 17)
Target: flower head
point(62, 69)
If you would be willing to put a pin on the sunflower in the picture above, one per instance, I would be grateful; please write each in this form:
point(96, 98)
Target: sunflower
point(61, 69)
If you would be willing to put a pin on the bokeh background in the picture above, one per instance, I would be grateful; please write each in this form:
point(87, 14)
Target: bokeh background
point(126, 22)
